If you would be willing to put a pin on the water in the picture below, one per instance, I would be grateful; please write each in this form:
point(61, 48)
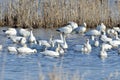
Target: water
point(29, 67)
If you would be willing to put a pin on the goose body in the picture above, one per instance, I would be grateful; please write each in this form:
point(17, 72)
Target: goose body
point(12, 49)
point(24, 32)
point(104, 38)
point(51, 53)
point(107, 46)
point(88, 45)
point(93, 32)
point(31, 38)
point(101, 27)
point(17, 39)
point(26, 50)
point(10, 32)
point(66, 29)
point(73, 25)
point(103, 53)
point(81, 29)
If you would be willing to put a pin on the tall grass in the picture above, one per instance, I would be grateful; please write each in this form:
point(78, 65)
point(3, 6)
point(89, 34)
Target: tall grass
point(56, 13)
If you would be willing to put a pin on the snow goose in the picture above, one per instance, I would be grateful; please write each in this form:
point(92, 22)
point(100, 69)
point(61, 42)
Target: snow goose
point(101, 27)
point(103, 53)
point(93, 32)
point(51, 53)
point(88, 46)
point(96, 44)
point(81, 29)
point(10, 32)
point(26, 50)
point(104, 38)
point(111, 33)
point(73, 24)
point(12, 49)
point(85, 48)
point(31, 38)
point(17, 39)
point(66, 29)
point(24, 32)
point(106, 46)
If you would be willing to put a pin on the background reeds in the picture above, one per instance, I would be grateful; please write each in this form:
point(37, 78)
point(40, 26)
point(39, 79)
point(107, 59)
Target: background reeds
point(56, 13)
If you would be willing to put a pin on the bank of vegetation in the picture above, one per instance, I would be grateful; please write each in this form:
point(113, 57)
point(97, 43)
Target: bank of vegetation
point(56, 13)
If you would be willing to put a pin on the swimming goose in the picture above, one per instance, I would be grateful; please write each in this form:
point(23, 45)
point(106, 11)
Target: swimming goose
point(93, 32)
point(81, 29)
point(96, 43)
point(51, 52)
point(31, 38)
point(24, 32)
point(10, 32)
point(66, 29)
point(26, 50)
point(101, 27)
point(104, 38)
point(103, 53)
point(12, 49)
point(17, 39)
point(111, 32)
point(88, 46)
point(106, 46)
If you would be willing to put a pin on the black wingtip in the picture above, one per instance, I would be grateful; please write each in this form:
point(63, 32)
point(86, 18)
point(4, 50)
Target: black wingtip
point(4, 30)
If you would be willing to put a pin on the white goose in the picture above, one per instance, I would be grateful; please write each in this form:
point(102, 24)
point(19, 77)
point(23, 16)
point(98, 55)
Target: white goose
point(66, 29)
point(101, 27)
point(73, 24)
point(93, 32)
point(51, 53)
point(104, 38)
point(103, 53)
point(10, 32)
point(85, 48)
point(106, 46)
point(12, 49)
point(24, 32)
point(88, 46)
point(81, 29)
point(31, 38)
point(26, 50)
point(17, 39)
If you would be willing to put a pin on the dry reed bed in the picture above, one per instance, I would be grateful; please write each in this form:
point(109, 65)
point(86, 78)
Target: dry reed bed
point(56, 13)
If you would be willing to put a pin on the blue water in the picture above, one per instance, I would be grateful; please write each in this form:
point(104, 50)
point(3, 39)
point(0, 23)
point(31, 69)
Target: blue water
point(29, 67)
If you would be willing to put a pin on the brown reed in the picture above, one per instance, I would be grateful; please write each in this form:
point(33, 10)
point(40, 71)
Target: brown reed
point(56, 13)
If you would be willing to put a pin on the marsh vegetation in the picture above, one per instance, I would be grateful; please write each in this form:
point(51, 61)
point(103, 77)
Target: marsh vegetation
point(56, 13)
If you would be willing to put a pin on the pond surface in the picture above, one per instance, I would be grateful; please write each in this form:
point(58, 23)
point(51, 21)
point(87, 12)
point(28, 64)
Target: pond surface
point(29, 67)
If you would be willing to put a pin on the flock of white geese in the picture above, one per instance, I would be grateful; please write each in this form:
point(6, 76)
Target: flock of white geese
point(102, 37)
